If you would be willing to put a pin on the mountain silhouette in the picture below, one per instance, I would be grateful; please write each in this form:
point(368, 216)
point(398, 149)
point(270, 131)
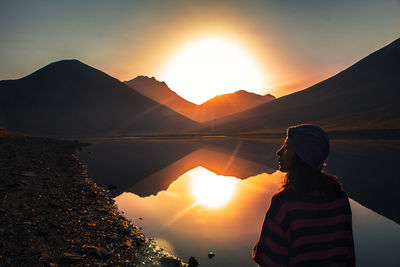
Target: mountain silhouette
point(217, 107)
point(218, 163)
point(159, 163)
point(364, 96)
point(70, 98)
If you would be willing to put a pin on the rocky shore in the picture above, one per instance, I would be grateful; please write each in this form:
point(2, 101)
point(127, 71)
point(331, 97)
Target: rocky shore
point(52, 214)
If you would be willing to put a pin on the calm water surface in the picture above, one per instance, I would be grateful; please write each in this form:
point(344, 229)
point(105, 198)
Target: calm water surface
point(195, 197)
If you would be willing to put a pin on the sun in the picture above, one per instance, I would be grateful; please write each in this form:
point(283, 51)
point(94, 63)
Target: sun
point(211, 190)
point(211, 66)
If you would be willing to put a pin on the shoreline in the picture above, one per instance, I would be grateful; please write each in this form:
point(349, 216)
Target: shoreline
point(367, 134)
point(52, 213)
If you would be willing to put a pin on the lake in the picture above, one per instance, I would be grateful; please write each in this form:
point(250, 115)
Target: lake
point(196, 196)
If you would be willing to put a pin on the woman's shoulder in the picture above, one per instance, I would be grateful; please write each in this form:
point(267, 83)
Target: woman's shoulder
point(280, 194)
point(288, 195)
point(283, 195)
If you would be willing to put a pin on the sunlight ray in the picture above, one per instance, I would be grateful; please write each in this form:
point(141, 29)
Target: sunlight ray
point(233, 156)
point(179, 215)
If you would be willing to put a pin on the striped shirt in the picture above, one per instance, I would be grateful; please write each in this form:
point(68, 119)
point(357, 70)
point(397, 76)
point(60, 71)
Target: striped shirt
point(306, 230)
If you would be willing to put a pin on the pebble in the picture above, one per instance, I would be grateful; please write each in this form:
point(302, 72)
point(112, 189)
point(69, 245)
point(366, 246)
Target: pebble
point(51, 209)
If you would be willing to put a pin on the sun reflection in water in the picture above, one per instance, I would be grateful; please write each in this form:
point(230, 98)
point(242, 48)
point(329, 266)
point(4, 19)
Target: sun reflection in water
point(211, 190)
point(191, 227)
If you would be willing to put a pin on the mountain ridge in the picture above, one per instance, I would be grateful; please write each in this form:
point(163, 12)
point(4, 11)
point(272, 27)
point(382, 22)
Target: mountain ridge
point(349, 96)
point(216, 107)
point(70, 98)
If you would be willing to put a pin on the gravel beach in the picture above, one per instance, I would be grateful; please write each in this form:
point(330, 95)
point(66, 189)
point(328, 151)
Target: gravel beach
point(52, 214)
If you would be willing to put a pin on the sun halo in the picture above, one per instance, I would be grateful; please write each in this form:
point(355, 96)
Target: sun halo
point(207, 67)
point(211, 190)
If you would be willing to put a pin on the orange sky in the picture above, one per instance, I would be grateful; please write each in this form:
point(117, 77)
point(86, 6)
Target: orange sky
point(286, 71)
point(295, 43)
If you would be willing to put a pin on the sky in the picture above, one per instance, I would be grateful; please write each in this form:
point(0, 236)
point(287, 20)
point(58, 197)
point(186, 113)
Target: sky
point(292, 44)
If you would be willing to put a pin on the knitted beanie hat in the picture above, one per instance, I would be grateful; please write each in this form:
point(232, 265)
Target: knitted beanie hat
point(310, 143)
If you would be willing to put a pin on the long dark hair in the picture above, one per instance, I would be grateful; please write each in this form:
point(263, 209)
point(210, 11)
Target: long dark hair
point(303, 178)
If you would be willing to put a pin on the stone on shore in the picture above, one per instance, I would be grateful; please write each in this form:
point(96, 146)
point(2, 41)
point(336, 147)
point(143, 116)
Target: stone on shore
point(52, 213)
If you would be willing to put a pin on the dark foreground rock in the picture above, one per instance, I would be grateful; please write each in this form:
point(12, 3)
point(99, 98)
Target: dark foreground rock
point(52, 214)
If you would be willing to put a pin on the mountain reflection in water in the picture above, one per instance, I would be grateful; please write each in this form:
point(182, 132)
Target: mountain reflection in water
point(194, 229)
point(159, 173)
point(216, 162)
point(191, 228)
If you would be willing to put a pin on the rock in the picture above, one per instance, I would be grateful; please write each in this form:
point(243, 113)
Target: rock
point(29, 174)
point(140, 241)
point(24, 182)
point(193, 262)
point(102, 210)
point(53, 214)
point(56, 225)
point(53, 205)
point(170, 262)
point(99, 252)
point(44, 256)
point(127, 243)
point(72, 256)
point(12, 185)
point(111, 187)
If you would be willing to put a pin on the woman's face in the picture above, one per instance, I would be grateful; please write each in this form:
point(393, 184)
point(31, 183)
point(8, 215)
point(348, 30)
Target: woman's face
point(285, 155)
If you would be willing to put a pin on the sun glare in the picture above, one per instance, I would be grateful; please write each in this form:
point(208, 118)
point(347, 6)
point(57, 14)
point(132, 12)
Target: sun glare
point(211, 190)
point(208, 67)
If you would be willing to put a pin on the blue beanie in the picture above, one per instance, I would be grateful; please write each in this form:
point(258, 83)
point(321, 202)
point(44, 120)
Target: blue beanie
point(310, 143)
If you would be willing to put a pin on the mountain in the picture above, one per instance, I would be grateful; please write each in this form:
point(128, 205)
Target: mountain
point(362, 97)
point(217, 107)
point(70, 98)
point(227, 104)
point(160, 92)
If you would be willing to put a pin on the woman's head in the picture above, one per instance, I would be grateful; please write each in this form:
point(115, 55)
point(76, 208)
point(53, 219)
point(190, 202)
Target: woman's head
point(309, 142)
point(302, 156)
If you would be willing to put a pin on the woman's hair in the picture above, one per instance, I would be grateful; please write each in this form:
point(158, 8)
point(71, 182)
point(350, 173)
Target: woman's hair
point(303, 178)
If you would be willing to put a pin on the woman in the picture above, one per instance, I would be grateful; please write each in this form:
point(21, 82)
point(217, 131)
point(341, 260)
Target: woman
point(308, 222)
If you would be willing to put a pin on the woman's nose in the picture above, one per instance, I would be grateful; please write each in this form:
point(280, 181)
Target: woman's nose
point(279, 152)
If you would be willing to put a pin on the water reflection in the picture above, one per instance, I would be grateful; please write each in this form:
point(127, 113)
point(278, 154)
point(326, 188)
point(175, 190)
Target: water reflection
point(377, 239)
point(369, 171)
point(184, 226)
point(193, 228)
point(216, 162)
point(159, 175)
point(123, 163)
point(210, 189)
point(368, 168)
